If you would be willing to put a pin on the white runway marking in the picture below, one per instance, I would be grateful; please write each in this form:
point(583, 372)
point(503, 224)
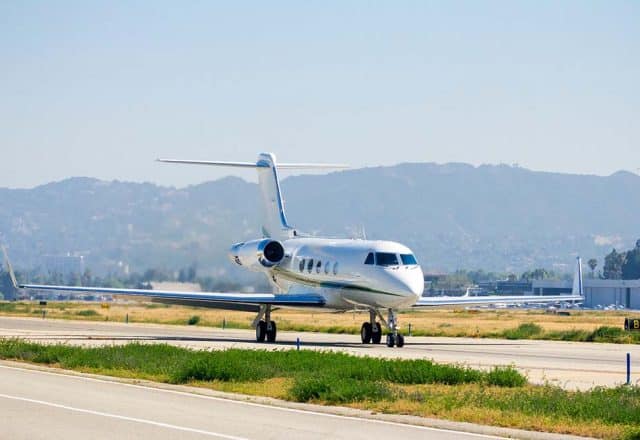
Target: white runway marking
point(120, 417)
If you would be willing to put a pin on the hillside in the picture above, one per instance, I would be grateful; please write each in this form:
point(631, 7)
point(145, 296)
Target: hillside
point(452, 215)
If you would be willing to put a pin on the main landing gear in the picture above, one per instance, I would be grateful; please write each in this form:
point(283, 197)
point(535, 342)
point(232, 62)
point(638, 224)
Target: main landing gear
point(265, 328)
point(371, 332)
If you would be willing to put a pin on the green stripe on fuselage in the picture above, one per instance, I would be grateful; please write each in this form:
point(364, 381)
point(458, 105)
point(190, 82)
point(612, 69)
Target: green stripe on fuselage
point(290, 276)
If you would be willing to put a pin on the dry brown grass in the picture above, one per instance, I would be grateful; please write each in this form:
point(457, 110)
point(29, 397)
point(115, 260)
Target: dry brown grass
point(443, 322)
point(473, 413)
point(276, 387)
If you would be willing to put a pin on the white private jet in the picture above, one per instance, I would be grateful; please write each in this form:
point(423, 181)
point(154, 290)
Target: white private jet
point(311, 272)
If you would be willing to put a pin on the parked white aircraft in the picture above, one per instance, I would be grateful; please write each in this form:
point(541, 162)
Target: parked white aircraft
point(327, 273)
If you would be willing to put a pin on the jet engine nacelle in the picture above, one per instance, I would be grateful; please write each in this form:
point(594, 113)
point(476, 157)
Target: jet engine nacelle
point(257, 254)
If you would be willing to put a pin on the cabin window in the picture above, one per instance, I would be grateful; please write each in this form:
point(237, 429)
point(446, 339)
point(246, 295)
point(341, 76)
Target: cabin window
point(302, 265)
point(326, 269)
point(386, 259)
point(369, 259)
point(310, 265)
point(318, 266)
point(408, 259)
point(335, 268)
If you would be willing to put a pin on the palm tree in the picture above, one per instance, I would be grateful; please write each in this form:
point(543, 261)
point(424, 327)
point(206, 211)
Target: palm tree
point(593, 263)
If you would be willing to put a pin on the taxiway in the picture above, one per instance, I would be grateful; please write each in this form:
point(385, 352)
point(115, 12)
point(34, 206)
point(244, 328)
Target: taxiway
point(572, 365)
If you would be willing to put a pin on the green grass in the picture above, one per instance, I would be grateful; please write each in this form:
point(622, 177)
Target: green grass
point(87, 312)
point(501, 394)
point(606, 405)
point(527, 330)
point(180, 365)
point(614, 335)
point(7, 307)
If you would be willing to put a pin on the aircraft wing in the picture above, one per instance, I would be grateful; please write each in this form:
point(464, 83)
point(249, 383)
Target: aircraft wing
point(427, 301)
point(216, 300)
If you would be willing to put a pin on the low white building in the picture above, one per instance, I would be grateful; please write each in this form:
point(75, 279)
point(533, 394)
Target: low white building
point(596, 292)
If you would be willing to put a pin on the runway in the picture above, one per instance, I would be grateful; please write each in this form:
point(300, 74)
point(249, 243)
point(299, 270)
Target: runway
point(44, 405)
point(572, 365)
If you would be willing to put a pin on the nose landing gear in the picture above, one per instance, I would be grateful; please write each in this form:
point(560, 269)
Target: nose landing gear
point(394, 337)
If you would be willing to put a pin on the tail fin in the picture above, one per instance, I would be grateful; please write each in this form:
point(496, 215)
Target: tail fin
point(274, 220)
point(577, 289)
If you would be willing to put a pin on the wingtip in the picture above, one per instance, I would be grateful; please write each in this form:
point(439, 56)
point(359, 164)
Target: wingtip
point(12, 275)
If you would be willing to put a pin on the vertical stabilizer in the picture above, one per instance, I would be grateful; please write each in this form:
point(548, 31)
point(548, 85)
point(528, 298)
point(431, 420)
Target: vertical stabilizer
point(274, 220)
point(577, 289)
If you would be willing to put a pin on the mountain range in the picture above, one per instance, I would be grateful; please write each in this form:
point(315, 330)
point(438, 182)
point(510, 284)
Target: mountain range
point(492, 217)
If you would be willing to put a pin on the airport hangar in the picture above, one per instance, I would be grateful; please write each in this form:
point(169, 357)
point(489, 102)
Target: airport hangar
point(596, 292)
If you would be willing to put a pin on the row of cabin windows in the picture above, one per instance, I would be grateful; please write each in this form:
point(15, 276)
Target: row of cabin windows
point(389, 259)
point(309, 265)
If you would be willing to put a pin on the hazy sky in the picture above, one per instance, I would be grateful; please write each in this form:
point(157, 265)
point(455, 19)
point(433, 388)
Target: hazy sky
point(103, 88)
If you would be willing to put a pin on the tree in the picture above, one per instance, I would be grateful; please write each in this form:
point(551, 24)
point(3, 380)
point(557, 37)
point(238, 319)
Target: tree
point(593, 263)
point(537, 274)
point(613, 265)
point(631, 265)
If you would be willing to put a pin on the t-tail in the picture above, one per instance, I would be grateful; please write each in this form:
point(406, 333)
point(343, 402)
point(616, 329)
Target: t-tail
point(274, 219)
point(577, 288)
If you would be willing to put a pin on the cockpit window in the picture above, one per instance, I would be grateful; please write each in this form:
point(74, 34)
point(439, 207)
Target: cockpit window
point(386, 259)
point(302, 265)
point(408, 259)
point(318, 266)
point(310, 265)
point(369, 259)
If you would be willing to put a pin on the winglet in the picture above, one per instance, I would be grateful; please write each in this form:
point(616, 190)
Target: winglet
point(9, 268)
point(577, 289)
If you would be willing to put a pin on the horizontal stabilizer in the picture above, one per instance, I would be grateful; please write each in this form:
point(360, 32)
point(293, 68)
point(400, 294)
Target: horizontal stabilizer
point(209, 162)
point(260, 164)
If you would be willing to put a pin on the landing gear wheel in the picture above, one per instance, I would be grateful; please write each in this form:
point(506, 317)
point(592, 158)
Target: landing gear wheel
point(376, 335)
point(261, 331)
point(365, 333)
point(271, 332)
point(391, 340)
point(400, 341)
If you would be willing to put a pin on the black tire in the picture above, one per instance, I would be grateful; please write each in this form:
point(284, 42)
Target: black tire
point(376, 336)
point(400, 341)
point(271, 333)
point(365, 333)
point(391, 341)
point(261, 331)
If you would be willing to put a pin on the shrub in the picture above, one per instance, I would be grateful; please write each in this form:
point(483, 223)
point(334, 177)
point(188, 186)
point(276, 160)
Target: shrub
point(335, 390)
point(87, 312)
point(7, 307)
point(505, 377)
point(526, 330)
point(193, 320)
point(610, 334)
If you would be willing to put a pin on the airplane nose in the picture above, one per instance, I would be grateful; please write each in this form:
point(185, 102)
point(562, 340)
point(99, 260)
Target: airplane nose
point(415, 283)
point(410, 282)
